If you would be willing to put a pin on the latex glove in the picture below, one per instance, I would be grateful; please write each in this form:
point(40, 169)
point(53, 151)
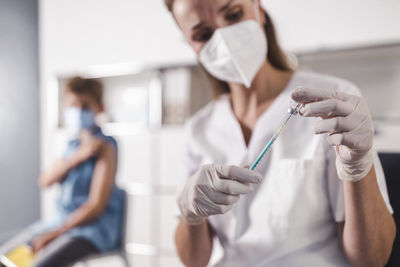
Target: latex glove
point(347, 120)
point(213, 189)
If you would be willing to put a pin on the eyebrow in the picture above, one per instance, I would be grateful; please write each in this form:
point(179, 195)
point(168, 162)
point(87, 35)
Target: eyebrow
point(221, 9)
point(225, 7)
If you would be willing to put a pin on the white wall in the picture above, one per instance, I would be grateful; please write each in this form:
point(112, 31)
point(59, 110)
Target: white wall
point(309, 25)
point(91, 32)
point(19, 115)
point(79, 33)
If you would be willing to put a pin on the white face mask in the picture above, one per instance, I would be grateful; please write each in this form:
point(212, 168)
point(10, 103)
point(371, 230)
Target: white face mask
point(77, 119)
point(235, 53)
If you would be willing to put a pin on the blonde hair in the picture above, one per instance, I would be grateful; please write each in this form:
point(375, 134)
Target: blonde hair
point(275, 56)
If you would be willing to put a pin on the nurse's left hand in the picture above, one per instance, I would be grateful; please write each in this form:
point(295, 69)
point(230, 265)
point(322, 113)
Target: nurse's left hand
point(347, 121)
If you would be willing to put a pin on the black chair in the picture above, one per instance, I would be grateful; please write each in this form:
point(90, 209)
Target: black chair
point(391, 167)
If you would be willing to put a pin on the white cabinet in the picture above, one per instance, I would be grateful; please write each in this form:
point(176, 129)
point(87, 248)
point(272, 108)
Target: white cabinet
point(171, 155)
point(376, 71)
point(169, 219)
point(150, 170)
point(139, 219)
point(135, 158)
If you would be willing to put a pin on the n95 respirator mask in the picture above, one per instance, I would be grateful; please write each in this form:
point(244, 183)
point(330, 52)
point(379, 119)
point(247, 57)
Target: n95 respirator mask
point(76, 119)
point(235, 53)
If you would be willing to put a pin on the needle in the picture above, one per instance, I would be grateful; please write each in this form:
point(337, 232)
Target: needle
point(292, 111)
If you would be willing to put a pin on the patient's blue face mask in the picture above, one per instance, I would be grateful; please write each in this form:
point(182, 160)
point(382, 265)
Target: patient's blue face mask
point(77, 119)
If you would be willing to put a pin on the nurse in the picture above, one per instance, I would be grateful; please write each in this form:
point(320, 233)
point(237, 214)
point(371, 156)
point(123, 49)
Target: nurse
point(319, 196)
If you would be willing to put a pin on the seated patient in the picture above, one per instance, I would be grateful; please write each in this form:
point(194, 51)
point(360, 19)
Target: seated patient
point(90, 207)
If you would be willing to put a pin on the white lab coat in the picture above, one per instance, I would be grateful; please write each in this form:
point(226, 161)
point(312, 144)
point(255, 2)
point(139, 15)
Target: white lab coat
point(290, 218)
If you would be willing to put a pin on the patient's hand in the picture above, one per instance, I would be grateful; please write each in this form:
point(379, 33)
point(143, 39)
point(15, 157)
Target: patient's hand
point(89, 149)
point(43, 240)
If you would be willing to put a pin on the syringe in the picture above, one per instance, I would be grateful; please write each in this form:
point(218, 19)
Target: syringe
point(293, 110)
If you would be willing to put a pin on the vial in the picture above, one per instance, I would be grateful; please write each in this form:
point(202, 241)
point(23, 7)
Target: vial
point(294, 108)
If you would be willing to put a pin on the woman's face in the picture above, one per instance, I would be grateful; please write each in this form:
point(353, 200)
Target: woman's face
point(198, 19)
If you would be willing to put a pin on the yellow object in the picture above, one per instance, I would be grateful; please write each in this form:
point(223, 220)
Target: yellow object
point(21, 256)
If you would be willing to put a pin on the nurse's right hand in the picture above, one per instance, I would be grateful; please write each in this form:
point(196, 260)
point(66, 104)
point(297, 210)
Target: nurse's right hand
point(213, 189)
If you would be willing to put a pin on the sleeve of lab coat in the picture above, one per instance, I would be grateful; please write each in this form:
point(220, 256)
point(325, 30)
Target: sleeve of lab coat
point(335, 186)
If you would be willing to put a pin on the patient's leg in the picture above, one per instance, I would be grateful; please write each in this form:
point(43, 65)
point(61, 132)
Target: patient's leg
point(64, 251)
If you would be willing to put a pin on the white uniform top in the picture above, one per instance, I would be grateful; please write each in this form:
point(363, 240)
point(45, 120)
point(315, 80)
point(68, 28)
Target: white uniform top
point(290, 218)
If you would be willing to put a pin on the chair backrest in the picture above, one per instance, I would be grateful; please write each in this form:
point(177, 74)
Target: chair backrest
point(122, 241)
point(391, 167)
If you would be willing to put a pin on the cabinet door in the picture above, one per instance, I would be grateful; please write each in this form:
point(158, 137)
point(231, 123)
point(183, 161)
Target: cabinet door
point(139, 226)
point(134, 158)
point(169, 213)
point(171, 156)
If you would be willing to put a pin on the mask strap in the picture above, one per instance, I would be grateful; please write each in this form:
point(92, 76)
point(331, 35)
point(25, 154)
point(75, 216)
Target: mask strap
point(257, 10)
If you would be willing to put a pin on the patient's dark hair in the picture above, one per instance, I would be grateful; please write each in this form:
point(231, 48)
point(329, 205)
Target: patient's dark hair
point(89, 87)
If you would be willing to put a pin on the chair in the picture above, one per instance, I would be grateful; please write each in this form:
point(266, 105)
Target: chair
point(120, 251)
point(391, 167)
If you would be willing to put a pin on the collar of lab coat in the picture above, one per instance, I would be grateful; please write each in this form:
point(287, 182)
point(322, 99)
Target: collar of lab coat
point(225, 121)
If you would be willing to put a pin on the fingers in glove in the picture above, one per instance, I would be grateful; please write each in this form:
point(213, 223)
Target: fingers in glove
point(353, 140)
point(338, 139)
point(216, 197)
point(326, 108)
point(203, 207)
point(337, 124)
point(231, 187)
point(238, 174)
point(306, 95)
